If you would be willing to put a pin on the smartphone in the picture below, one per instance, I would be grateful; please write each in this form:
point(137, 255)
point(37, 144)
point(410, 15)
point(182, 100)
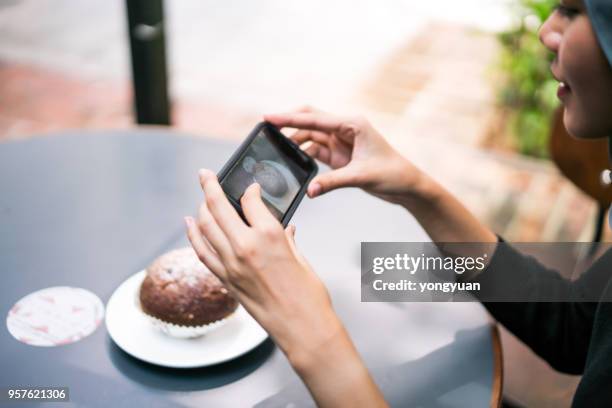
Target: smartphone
point(274, 161)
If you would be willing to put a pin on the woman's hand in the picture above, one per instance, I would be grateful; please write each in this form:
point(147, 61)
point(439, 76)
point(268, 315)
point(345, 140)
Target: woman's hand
point(357, 153)
point(361, 157)
point(261, 266)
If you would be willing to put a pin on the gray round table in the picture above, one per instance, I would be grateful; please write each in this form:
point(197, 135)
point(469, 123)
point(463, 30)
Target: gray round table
point(89, 209)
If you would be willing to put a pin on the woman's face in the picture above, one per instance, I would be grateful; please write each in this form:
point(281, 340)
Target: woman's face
point(584, 73)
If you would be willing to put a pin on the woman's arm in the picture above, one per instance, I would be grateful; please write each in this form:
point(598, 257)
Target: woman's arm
point(442, 215)
point(335, 374)
point(262, 268)
point(361, 157)
point(552, 315)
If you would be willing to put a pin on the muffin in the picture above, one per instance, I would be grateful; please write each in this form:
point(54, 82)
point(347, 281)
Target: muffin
point(182, 297)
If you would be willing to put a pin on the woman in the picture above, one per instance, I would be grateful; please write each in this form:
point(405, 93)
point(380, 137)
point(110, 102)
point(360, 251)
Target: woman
point(262, 267)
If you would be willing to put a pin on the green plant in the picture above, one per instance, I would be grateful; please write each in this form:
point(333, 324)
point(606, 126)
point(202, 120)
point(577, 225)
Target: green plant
point(528, 89)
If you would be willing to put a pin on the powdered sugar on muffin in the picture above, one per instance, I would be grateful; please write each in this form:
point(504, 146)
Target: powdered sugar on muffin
point(180, 290)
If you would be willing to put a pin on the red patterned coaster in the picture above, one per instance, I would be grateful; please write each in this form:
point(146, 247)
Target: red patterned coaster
point(55, 316)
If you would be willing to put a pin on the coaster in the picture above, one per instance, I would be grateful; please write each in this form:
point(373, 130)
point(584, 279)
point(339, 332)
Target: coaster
point(55, 316)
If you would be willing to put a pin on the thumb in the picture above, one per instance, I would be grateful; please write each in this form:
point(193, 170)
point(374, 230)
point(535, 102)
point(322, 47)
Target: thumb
point(342, 177)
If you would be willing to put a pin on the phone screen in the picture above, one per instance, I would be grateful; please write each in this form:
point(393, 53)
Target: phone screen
point(264, 161)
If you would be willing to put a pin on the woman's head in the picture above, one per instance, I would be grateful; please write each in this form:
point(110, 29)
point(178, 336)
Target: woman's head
point(579, 32)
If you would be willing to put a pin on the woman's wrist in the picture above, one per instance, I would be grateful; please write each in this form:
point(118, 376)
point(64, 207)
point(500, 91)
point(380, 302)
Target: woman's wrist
point(305, 344)
point(442, 215)
point(336, 351)
point(421, 190)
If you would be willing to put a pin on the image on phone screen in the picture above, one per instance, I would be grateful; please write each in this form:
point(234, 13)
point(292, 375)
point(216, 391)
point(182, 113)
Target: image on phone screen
point(265, 163)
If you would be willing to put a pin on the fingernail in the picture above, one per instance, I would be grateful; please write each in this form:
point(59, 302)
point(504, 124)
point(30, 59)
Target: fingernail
point(188, 221)
point(315, 189)
point(202, 172)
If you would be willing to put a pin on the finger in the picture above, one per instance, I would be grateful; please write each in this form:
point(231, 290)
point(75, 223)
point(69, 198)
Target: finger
point(203, 249)
point(222, 211)
point(302, 136)
point(255, 211)
point(290, 234)
point(342, 177)
point(306, 120)
point(213, 234)
point(319, 152)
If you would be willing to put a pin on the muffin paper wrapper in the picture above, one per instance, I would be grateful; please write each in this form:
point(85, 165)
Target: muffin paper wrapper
point(186, 332)
point(180, 331)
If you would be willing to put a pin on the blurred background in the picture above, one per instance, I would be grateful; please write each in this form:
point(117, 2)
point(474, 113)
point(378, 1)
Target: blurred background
point(462, 88)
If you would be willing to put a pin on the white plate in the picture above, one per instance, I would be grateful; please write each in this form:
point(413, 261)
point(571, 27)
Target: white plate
point(134, 333)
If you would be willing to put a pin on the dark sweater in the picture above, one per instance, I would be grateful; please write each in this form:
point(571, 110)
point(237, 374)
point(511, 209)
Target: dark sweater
point(573, 337)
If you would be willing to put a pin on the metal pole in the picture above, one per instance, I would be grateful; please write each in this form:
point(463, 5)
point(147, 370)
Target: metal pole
point(148, 51)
